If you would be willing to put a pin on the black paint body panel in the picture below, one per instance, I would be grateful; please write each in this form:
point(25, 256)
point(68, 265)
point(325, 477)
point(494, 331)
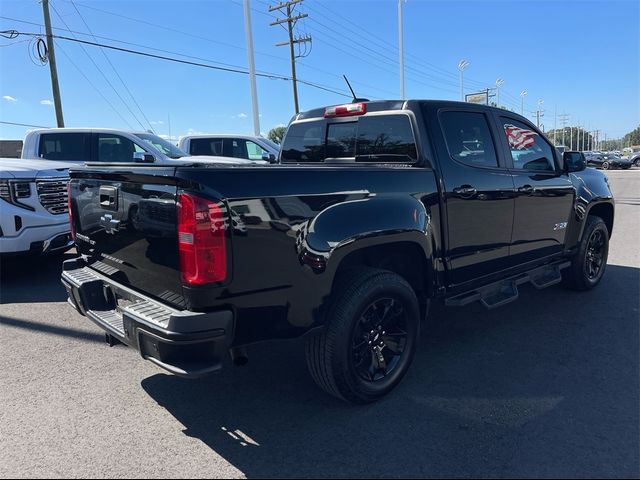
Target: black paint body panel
point(289, 227)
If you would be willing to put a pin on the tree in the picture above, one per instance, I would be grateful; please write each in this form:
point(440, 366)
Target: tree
point(632, 138)
point(276, 134)
point(571, 135)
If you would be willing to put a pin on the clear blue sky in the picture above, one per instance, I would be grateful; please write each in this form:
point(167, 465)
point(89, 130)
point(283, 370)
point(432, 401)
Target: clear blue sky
point(579, 57)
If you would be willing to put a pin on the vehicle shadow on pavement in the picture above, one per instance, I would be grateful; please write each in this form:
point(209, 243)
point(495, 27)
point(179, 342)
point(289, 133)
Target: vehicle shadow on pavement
point(546, 386)
point(28, 279)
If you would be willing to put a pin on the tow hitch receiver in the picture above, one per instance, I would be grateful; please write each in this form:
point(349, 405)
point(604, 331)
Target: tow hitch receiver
point(111, 340)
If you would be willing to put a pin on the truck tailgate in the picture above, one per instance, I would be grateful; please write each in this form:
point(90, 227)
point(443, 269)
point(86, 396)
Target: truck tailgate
point(125, 223)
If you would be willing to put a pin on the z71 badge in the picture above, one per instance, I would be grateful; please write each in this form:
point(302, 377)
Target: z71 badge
point(560, 226)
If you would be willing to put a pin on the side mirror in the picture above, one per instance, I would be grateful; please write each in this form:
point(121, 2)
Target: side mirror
point(269, 157)
point(574, 161)
point(143, 157)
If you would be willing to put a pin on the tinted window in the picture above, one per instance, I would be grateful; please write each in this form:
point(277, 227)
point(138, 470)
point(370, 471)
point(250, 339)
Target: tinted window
point(528, 149)
point(236, 148)
point(341, 140)
point(304, 142)
point(64, 146)
point(374, 138)
point(206, 146)
point(469, 139)
point(116, 149)
point(386, 138)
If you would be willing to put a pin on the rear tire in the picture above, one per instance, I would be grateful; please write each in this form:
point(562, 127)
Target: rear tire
point(369, 340)
point(590, 261)
point(605, 165)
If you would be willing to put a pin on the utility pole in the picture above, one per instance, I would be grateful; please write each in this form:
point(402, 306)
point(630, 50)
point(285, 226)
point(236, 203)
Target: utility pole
point(570, 138)
point(401, 44)
point(555, 123)
point(287, 8)
point(539, 113)
point(52, 65)
point(564, 119)
point(252, 67)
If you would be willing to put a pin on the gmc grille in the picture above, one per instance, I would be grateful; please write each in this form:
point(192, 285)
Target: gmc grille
point(53, 195)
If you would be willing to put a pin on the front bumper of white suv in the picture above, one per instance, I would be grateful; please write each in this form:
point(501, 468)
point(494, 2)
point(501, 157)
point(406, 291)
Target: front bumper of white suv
point(34, 220)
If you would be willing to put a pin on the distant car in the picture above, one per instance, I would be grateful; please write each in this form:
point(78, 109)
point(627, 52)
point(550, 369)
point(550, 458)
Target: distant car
point(83, 145)
point(607, 161)
point(634, 158)
point(34, 213)
point(237, 146)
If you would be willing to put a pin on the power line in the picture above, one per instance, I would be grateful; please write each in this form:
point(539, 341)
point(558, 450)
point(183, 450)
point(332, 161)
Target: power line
point(22, 124)
point(113, 67)
point(94, 87)
point(272, 76)
point(175, 30)
point(385, 65)
point(100, 70)
point(287, 9)
point(326, 72)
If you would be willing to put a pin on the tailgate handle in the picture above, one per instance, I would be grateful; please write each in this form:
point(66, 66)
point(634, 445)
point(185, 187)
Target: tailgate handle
point(109, 198)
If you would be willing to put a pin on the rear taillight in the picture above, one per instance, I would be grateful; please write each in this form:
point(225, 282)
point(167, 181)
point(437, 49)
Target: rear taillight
point(201, 240)
point(73, 232)
point(347, 110)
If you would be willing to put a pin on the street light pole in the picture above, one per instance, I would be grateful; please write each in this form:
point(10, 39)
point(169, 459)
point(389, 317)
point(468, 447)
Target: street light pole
point(523, 93)
point(401, 44)
point(252, 67)
point(461, 66)
point(499, 83)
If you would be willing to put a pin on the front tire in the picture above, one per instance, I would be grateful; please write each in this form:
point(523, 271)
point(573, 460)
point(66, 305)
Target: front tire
point(589, 263)
point(369, 340)
point(605, 166)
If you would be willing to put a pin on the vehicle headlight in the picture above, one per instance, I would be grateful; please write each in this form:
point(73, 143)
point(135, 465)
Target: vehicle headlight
point(13, 191)
point(5, 193)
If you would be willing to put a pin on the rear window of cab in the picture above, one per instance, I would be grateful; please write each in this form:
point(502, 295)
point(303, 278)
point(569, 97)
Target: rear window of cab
point(373, 138)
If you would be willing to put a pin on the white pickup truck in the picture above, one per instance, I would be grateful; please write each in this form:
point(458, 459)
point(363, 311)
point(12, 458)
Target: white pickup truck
point(34, 213)
point(247, 147)
point(89, 145)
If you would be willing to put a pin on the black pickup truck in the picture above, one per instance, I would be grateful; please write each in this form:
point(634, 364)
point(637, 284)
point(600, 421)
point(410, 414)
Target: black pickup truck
point(375, 209)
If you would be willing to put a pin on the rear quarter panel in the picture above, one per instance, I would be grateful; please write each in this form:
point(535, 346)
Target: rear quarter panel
point(592, 188)
point(292, 226)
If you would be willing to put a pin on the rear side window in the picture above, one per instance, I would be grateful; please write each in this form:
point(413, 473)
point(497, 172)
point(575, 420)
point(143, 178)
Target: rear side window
point(64, 146)
point(374, 138)
point(469, 139)
point(205, 146)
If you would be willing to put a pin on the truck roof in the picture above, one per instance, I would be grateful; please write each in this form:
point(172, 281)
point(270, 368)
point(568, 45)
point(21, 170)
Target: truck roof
point(386, 105)
point(87, 129)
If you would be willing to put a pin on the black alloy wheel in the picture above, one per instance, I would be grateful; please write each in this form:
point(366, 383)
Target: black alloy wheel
point(379, 339)
point(595, 257)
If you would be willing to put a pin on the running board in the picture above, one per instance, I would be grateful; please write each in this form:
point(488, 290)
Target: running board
point(506, 291)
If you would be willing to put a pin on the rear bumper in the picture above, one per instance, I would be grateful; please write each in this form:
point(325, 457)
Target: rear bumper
point(188, 344)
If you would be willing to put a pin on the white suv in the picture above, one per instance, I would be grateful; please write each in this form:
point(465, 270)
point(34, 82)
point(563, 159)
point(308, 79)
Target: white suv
point(34, 215)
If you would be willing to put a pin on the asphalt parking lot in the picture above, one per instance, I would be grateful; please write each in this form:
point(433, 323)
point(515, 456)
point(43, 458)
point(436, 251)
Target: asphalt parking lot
point(548, 386)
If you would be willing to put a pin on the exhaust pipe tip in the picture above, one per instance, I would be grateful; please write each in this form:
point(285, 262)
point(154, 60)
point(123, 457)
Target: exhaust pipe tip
point(239, 356)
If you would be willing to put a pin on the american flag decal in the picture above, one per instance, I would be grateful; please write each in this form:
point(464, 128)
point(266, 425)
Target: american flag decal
point(519, 138)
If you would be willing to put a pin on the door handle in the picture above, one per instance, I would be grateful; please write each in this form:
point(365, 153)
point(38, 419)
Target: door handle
point(526, 189)
point(465, 191)
point(108, 197)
